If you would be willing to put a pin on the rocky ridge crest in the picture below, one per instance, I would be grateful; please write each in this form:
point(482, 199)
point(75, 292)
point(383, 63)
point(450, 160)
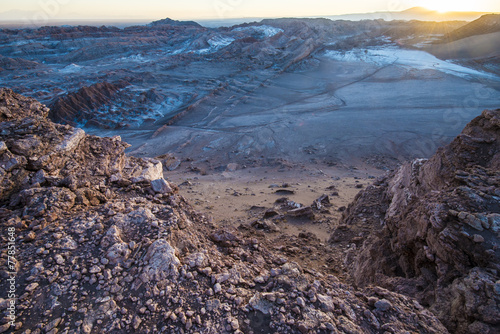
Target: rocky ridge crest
point(435, 230)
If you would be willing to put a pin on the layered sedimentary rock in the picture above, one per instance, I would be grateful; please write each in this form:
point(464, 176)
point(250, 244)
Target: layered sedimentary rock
point(83, 105)
point(436, 230)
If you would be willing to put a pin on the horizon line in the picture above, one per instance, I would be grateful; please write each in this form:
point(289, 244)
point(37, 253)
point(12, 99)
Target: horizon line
point(25, 21)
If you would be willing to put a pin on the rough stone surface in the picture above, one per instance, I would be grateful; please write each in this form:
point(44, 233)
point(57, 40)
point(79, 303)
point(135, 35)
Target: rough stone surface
point(161, 186)
point(162, 262)
point(435, 234)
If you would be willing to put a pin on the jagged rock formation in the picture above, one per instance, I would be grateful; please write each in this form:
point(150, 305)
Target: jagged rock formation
point(436, 230)
point(105, 244)
point(80, 106)
point(7, 63)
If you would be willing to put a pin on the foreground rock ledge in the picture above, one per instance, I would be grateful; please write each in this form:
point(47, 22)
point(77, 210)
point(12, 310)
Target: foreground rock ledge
point(436, 230)
point(101, 248)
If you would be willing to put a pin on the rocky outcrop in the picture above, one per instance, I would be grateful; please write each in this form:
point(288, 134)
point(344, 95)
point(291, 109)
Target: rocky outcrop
point(7, 63)
point(104, 243)
point(105, 105)
point(435, 230)
point(81, 106)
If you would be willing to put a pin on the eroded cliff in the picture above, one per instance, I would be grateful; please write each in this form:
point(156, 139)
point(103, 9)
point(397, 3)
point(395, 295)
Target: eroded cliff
point(435, 229)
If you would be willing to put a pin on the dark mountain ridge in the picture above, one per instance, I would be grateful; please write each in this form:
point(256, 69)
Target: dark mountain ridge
point(486, 24)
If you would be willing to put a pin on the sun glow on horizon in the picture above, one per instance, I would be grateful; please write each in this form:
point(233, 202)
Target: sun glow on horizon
point(25, 10)
point(444, 6)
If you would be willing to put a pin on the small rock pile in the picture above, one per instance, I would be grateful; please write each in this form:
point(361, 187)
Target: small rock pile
point(104, 244)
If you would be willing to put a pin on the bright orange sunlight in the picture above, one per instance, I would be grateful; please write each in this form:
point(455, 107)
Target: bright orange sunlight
point(448, 5)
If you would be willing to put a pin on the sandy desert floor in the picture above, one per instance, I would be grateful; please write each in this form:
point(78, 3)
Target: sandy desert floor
point(243, 196)
point(251, 199)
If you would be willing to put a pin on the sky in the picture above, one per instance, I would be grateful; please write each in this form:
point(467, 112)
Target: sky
point(219, 9)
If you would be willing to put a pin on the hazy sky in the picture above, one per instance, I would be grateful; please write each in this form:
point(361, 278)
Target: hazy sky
point(199, 9)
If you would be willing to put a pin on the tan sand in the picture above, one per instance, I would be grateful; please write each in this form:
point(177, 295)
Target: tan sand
point(242, 196)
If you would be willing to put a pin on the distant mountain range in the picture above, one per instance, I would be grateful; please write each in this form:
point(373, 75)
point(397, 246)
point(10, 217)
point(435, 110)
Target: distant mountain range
point(173, 23)
point(415, 13)
point(22, 18)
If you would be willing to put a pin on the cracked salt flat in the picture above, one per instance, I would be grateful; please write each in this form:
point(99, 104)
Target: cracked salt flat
point(411, 58)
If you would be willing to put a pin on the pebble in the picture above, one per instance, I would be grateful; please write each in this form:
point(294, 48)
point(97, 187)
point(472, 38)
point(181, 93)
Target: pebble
point(383, 305)
point(497, 287)
point(95, 269)
point(478, 238)
point(59, 259)
point(234, 324)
